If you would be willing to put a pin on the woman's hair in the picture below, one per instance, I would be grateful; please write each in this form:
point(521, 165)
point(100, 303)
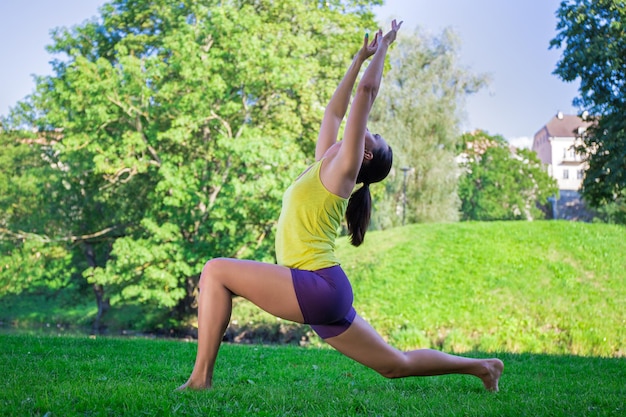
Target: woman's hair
point(360, 204)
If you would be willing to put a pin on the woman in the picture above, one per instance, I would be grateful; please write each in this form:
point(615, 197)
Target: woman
point(308, 285)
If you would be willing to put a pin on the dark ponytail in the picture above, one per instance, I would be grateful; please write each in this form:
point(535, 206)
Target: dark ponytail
point(358, 214)
point(359, 208)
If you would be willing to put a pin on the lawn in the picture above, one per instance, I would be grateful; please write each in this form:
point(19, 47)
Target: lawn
point(81, 376)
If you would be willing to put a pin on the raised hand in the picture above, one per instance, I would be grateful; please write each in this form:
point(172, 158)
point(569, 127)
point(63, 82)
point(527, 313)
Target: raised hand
point(390, 36)
point(368, 49)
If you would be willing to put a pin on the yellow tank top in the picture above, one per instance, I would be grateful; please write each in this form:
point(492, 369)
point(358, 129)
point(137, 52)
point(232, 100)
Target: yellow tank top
point(309, 223)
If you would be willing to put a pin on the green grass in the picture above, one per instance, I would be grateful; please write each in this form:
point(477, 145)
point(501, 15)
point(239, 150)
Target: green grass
point(78, 376)
point(546, 297)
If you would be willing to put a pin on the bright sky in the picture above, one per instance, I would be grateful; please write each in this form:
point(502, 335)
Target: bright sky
point(507, 39)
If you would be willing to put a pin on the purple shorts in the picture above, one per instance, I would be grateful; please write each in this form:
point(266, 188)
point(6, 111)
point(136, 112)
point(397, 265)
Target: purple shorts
point(325, 299)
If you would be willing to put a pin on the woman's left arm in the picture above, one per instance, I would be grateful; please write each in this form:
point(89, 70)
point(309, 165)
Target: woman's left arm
point(338, 104)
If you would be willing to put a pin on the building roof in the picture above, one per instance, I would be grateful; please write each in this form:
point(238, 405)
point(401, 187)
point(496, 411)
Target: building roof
point(565, 126)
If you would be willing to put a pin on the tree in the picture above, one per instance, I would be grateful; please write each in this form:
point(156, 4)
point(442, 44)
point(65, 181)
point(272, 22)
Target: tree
point(419, 111)
point(592, 35)
point(178, 124)
point(500, 183)
point(26, 178)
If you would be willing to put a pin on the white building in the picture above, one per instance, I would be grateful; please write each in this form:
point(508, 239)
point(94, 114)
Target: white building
point(555, 145)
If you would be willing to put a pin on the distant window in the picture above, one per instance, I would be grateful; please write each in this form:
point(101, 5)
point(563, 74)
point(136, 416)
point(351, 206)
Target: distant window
point(565, 174)
point(580, 174)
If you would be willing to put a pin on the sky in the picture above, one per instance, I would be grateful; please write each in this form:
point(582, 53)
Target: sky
point(506, 39)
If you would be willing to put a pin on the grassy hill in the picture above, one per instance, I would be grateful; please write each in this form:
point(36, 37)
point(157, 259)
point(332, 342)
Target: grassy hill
point(522, 287)
point(542, 287)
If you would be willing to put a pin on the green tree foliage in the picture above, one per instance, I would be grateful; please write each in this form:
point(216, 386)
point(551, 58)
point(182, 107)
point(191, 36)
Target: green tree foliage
point(592, 35)
point(175, 126)
point(501, 184)
point(418, 111)
point(26, 179)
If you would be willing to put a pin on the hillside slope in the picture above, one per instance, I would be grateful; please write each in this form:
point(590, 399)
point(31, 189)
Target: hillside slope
point(552, 287)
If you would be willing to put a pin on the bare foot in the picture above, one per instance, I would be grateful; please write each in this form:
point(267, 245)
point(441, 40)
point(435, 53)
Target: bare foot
point(194, 386)
point(491, 376)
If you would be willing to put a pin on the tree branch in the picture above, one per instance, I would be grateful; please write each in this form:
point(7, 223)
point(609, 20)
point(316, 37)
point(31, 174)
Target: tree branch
point(22, 235)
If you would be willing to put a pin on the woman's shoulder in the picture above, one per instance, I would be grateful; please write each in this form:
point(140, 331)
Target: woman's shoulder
point(335, 177)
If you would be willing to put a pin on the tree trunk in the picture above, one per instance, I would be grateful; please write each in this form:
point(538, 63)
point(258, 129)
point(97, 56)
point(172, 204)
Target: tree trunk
point(101, 300)
point(103, 307)
point(187, 306)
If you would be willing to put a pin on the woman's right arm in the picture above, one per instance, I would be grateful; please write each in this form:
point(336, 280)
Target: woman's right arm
point(351, 153)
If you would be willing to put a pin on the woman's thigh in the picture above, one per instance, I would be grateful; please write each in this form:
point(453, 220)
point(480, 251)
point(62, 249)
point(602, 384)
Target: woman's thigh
point(269, 286)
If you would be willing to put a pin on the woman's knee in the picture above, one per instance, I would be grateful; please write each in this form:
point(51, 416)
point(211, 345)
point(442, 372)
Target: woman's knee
point(395, 368)
point(211, 271)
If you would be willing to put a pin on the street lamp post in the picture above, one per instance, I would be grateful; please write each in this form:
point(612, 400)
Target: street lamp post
point(405, 170)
